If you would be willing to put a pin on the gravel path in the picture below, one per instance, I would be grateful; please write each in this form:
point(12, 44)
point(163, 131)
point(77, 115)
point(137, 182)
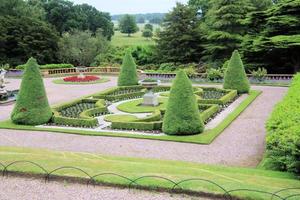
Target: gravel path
point(57, 93)
point(241, 144)
point(34, 189)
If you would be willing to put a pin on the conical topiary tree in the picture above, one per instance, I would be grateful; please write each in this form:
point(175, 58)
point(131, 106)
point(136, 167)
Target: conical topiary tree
point(235, 76)
point(128, 74)
point(32, 107)
point(182, 115)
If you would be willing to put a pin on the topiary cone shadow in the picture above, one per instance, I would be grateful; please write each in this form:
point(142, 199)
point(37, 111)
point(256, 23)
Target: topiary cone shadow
point(32, 107)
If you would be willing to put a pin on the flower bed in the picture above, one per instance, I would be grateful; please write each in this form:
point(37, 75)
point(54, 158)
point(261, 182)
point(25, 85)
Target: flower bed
point(78, 79)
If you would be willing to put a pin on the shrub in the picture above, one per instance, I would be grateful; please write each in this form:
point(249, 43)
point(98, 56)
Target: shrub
point(214, 74)
point(182, 114)
point(235, 75)
point(259, 74)
point(128, 74)
point(283, 132)
point(32, 107)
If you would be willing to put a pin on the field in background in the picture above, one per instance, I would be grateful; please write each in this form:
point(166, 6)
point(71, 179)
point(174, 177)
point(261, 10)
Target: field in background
point(120, 39)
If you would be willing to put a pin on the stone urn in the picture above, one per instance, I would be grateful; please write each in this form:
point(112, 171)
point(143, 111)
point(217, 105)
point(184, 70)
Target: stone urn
point(150, 98)
point(80, 70)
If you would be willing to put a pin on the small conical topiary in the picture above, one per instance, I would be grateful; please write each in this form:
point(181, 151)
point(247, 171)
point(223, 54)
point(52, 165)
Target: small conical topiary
point(128, 74)
point(32, 107)
point(182, 115)
point(235, 76)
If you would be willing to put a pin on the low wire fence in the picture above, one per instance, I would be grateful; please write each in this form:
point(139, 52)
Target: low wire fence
point(175, 186)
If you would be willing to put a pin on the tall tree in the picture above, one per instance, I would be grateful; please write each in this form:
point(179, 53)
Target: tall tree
point(224, 28)
point(180, 39)
point(275, 32)
point(81, 47)
point(24, 37)
point(128, 25)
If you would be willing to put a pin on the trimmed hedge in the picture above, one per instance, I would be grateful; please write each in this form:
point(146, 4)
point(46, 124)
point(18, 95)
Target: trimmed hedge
point(142, 126)
point(32, 107)
point(283, 132)
point(156, 116)
point(227, 98)
point(121, 93)
point(182, 115)
point(128, 75)
point(209, 110)
point(50, 66)
point(86, 118)
point(235, 76)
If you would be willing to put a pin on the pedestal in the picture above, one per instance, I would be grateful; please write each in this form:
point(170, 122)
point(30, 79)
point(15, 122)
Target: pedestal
point(150, 99)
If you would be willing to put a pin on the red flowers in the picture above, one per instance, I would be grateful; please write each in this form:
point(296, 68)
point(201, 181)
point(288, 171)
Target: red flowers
point(77, 79)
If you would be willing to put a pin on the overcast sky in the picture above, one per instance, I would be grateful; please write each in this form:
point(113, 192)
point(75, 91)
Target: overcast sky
point(131, 6)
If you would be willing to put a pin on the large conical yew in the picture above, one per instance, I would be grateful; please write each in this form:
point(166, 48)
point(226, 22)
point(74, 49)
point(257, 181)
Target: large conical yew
point(32, 107)
point(182, 115)
point(128, 74)
point(235, 76)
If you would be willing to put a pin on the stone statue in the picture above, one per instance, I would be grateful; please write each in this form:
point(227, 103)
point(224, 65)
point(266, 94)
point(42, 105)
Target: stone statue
point(2, 75)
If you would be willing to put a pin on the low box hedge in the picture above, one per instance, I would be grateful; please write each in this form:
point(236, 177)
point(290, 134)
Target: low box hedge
point(210, 110)
point(141, 126)
point(156, 116)
point(227, 98)
point(85, 119)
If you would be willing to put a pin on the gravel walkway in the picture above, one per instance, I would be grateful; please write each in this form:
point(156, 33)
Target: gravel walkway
point(241, 144)
point(34, 189)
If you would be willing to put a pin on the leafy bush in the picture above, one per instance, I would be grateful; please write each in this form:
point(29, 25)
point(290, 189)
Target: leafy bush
point(214, 74)
point(283, 132)
point(182, 114)
point(128, 74)
point(32, 107)
point(49, 66)
point(235, 76)
point(259, 74)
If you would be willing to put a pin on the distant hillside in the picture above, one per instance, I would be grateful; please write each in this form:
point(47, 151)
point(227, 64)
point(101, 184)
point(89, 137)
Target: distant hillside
point(154, 18)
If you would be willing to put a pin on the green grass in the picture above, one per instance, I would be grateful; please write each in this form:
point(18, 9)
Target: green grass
point(228, 177)
point(61, 81)
point(206, 137)
point(120, 118)
point(135, 106)
point(120, 39)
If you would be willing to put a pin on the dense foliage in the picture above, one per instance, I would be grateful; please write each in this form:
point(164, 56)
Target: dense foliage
point(128, 74)
point(283, 139)
point(81, 48)
point(182, 115)
point(180, 38)
point(32, 107)
point(23, 37)
point(274, 32)
point(235, 76)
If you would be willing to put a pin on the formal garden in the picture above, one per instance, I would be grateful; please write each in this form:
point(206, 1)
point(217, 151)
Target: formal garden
point(201, 102)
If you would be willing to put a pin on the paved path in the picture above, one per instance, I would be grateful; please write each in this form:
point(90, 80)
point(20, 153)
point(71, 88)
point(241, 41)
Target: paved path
point(35, 189)
point(241, 144)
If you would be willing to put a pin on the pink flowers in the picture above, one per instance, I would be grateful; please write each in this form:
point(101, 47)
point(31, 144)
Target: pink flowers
point(77, 79)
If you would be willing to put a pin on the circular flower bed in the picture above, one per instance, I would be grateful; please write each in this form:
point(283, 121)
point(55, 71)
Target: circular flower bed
point(78, 79)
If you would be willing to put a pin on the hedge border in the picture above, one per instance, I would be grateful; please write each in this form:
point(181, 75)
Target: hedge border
point(207, 137)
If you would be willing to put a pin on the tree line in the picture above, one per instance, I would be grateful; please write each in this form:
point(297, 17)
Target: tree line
point(266, 32)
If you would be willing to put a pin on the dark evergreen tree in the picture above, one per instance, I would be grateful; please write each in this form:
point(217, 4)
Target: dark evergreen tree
point(224, 28)
point(180, 39)
point(274, 39)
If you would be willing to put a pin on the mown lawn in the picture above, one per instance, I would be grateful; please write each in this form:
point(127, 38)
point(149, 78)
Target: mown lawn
point(120, 39)
point(228, 177)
